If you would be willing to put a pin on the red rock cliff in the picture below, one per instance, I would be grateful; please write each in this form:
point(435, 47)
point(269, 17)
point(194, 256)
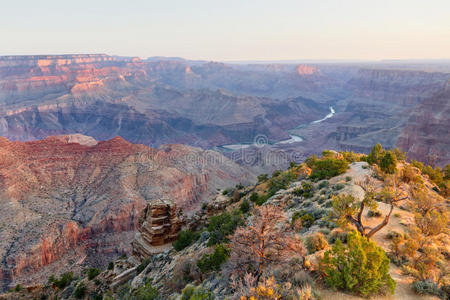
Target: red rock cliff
point(61, 201)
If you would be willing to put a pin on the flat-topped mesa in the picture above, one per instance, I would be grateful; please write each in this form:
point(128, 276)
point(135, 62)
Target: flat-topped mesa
point(158, 227)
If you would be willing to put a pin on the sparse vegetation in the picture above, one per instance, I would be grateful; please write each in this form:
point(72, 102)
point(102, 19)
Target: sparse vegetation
point(143, 265)
point(210, 262)
point(223, 225)
point(80, 291)
point(196, 293)
point(63, 281)
point(245, 206)
point(185, 239)
point(316, 242)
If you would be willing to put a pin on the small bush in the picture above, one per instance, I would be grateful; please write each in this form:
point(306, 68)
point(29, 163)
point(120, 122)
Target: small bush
point(184, 272)
point(306, 219)
point(196, 293)
point(213, 261)
point(426, 287)
point(263, 177)
point(145, 292)
point(223, 225)
point(374, 213)
point(348, 178)
point(254, 197)
point(92, 273)
point(63, 281)
point(185, 239)
point(225, 192)
point(328, 167)
point(80, 290)
point(388, 163)
point(338, 234)
point(245, 206)
point(143, 265)
point(393, 234)
point(361, 267)
point(18, 288)
point(316, 242)
point(110, 265)
point(338, 187)
point(323, 184)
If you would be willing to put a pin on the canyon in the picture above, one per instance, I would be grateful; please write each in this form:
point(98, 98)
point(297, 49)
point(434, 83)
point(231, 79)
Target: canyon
point(87, 141)
point(68, 201)
point(161, 100)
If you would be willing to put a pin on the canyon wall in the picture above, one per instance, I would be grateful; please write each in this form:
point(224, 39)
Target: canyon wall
point(66, 201)
point(426, 135)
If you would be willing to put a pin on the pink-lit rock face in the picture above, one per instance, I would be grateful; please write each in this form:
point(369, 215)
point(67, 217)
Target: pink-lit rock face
point(307, 70)
point(65, 197)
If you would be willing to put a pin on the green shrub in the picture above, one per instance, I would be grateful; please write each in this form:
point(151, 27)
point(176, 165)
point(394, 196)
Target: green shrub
point(348, 178)
point(323, 184)
point(399, 154)
point(310, 161)
point(338, 187)
point(376, 154)
point(143, 265)
point(123, 291)
point(276, 173)
point(80, 290)
point(63, 281)
point(328, 167)
point(316, 242)
point(145, 292)
point(306, 218)
point(18, 288)
point(280, 182)
point(185, 239)
point(223, 225)
point(196, 293)
point(92, 273)
point(110, 265)
point(225, 192)
point(360, 267)
point(245, 206)
point(254, 197)
point(388, 163)
point(259, 199)
point(213, 261)
point(426, 287)
point(263, 177)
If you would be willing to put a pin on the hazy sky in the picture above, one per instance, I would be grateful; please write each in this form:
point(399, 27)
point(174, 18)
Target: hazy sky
point(229, 29)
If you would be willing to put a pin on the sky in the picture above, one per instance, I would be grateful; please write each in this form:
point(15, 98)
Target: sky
point(229, 29)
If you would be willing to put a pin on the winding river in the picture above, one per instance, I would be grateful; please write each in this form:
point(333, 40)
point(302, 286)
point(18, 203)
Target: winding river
point(293, 138)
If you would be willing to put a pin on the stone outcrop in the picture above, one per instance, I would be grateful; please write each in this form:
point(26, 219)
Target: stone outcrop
point(157, 228)
point(64, 204)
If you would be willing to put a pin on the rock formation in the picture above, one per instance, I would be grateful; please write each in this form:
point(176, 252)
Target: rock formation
point(65, 204)
point(157, 228)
